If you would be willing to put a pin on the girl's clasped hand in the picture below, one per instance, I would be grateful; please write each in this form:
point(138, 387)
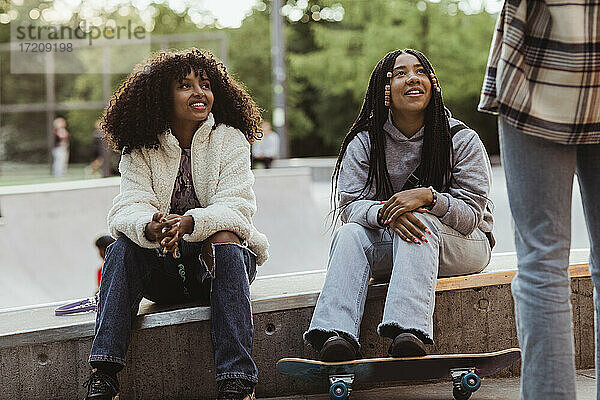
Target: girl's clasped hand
point(398, 214)
point(169, 230)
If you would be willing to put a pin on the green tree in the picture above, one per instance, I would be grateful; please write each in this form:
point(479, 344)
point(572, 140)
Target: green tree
point(329, 61)
point(343, 54)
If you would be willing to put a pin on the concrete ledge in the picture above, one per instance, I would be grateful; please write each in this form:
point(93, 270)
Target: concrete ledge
point(37, 324)
point(45, 357)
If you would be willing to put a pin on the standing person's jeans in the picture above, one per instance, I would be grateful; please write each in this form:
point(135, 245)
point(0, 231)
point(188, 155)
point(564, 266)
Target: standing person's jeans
point(539, 177)
point(131, 272)
point(358, 252)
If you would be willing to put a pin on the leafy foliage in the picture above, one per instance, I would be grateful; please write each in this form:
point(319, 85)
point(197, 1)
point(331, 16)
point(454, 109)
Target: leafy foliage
point(328, 66)
point(343, 55)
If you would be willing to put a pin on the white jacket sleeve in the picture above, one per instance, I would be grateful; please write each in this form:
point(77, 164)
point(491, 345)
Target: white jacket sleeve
point(233, 205)
point(136, 203)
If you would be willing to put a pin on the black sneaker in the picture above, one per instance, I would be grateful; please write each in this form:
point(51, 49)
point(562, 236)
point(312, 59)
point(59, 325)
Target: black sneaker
point(407, 344)
point(336, 348)
point(235, 389)
point(101, 386)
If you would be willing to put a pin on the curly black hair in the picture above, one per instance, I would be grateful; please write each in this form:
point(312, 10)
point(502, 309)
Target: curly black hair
point(142, 106)
point(437, 143)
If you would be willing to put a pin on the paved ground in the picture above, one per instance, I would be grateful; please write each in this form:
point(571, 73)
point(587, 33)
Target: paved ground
point(12, 173)
point(491, 389)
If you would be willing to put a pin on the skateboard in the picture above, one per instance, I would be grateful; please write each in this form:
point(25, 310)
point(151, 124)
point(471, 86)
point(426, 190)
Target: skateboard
point(465, 370)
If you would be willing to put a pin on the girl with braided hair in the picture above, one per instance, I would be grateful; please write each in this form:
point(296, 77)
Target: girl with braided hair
point(411, 186)
point(183, 218)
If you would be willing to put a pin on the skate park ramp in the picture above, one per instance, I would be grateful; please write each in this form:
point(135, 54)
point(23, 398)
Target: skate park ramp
point(47, 233)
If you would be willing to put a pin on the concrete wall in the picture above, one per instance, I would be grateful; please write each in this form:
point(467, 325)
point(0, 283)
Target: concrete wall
point(47, 233)
point(47, 236)
point(174, 360)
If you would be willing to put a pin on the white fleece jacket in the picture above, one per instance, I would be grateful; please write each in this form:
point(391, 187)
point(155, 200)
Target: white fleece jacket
point(222, 180)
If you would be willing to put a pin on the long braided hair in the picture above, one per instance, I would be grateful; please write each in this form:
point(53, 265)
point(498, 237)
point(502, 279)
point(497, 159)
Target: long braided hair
point(435, 169)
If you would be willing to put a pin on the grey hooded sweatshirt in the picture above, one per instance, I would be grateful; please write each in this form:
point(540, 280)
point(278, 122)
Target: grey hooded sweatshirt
point(464, 207)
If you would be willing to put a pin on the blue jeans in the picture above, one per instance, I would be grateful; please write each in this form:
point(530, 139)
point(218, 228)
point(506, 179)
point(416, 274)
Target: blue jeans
point(131, 272)
point(539, 177)
point(357, 253)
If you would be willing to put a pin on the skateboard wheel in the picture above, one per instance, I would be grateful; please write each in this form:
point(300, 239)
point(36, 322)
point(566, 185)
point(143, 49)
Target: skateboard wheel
point(470, 382)
point(339, 390)
point(461, 394)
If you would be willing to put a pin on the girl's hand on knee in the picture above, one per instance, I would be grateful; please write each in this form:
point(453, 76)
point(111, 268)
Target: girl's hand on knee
point(409, 228)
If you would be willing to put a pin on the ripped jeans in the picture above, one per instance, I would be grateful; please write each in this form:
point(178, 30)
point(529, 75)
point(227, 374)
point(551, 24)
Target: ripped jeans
point(131, 272)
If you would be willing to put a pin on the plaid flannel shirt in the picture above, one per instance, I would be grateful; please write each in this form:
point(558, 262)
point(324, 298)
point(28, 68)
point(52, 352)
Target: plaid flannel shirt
point(543, 72)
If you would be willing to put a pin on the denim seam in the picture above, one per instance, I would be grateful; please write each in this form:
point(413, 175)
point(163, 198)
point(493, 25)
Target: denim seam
point(236, 375)
point(431, 304)
point(117, 360)
point(359, 297)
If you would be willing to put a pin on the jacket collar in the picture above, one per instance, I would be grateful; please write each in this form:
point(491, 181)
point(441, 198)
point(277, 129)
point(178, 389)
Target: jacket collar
point(171, 145)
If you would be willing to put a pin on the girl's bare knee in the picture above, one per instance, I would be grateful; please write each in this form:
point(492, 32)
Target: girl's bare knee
point(224, 237)
point(207, 249)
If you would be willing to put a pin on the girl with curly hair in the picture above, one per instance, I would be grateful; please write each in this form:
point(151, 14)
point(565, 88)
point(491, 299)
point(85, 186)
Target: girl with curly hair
point(183, 218)
point(412, 188)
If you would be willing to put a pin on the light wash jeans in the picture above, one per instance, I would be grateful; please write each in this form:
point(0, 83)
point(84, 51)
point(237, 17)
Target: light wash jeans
point(539, 177)
point(357, 251)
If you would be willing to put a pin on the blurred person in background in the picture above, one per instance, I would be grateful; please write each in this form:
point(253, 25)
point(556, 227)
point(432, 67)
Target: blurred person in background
point(99, 151)
point(543, 80)
point(60, 151)
point(183, 218)
point(265, 150)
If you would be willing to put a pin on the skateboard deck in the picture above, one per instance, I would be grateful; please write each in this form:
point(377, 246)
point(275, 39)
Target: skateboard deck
point(465, 370)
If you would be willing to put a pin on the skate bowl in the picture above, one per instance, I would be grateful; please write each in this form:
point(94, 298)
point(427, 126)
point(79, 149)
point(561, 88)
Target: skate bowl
point(47, 233)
